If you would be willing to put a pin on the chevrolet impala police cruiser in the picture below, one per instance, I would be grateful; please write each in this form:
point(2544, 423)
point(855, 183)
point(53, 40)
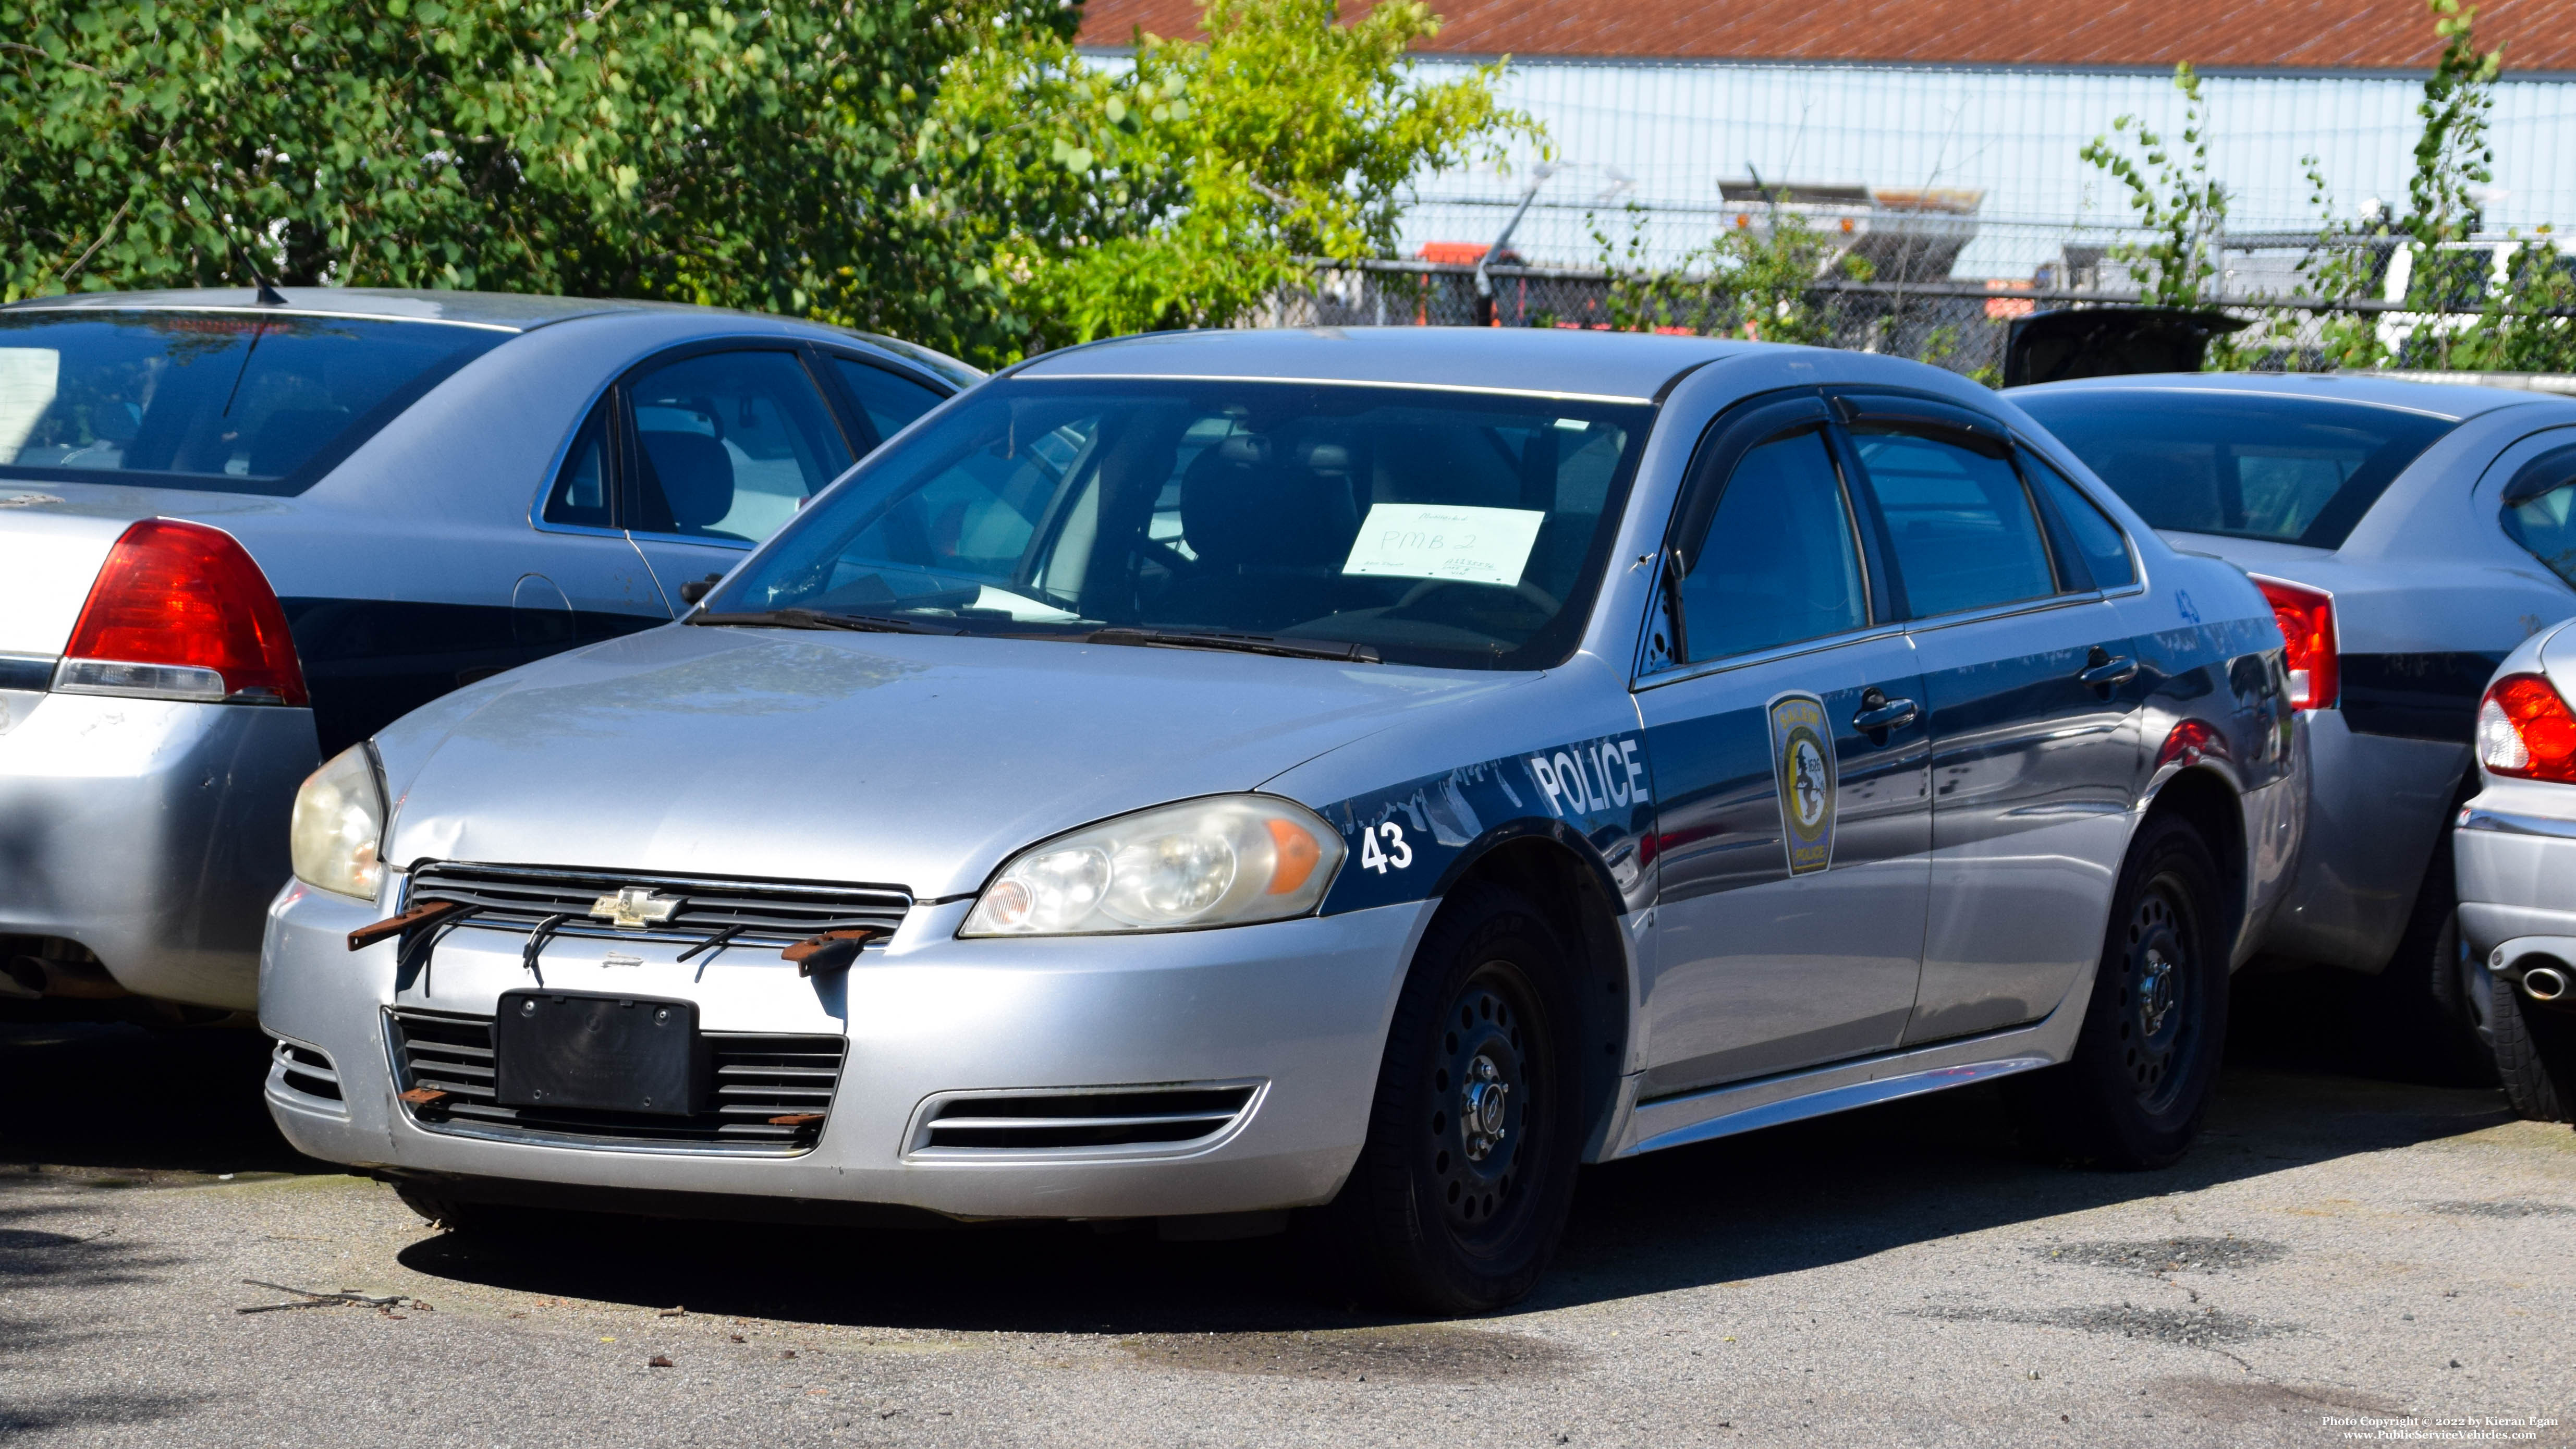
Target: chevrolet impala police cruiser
point(1209, 776)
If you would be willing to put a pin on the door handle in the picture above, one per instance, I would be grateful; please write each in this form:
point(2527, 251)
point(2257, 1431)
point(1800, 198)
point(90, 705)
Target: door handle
point(2104, 671)
point(1884, 713)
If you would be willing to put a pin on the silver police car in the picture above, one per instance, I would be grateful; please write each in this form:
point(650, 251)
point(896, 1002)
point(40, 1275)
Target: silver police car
point(240, 532)
point(1201, 776)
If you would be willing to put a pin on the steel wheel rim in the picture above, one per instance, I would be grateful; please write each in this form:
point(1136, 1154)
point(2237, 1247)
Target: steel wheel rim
point(2159, 1006)
point(1485, 1101)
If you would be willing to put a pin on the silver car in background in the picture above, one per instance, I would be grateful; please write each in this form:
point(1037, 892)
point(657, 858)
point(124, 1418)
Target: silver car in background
point(1203, 776)
point(236, 536)
point(2516, 848)
point(2409, 536)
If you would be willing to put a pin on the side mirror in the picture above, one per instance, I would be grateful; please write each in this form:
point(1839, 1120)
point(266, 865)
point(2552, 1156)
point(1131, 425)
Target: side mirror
point(696, 589)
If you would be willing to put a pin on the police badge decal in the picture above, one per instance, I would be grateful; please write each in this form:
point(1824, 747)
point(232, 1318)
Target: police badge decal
point(1802, 756)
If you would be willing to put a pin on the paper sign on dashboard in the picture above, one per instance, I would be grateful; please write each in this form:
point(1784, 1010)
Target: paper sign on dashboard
point(1445, 541)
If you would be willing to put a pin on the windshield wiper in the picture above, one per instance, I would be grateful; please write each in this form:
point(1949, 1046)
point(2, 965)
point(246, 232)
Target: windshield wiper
point(1240, 643)
point(811, 619)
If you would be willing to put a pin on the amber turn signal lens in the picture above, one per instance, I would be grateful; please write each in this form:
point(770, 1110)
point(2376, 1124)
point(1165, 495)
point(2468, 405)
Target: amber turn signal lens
point(1298, 856)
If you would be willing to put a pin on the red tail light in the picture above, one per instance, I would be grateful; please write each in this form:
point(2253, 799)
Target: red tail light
point(2306, 617)
point(2525, 730)
point(187, 603)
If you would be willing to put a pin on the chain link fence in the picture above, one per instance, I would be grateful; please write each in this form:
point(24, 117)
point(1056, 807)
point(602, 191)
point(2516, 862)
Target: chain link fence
point(1961, 326)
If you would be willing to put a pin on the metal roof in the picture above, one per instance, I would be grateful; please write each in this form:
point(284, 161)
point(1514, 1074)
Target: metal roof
point(1542, 361)
point(2434, 399)
point(2212, 34)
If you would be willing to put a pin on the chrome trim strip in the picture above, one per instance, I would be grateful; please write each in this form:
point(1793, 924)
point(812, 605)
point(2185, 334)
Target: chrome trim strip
point(540, 874)
point(2507, 823)
point(917, 1147)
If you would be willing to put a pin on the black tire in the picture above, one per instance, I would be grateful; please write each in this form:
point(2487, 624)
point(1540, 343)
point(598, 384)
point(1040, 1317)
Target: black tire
point(1439, 1217)
point(2424, 1022)
point(2146, 1058)
point(2535, 1054)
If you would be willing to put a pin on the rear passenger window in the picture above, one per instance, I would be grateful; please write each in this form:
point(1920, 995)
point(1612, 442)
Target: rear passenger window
point(2540, 510)
point(2105, 549)
point(580, 494)
point(890, 402)
point(1961, 524)
point(730, 444)
point(1779, 564)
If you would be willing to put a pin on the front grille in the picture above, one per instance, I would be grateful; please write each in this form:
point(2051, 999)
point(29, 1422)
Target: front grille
point(307, 1071)
point(1160, 1117)
point(758, 1077)
point(519, 897)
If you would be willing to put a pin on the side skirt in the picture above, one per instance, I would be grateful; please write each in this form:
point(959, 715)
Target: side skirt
point(1794, 1097)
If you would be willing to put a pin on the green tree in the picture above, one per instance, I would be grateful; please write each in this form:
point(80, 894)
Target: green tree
point(2175, 199)
point(2452, 159)
point(1760, 283)
point(2348, 263)
point(1183, 191)
point(764, 158)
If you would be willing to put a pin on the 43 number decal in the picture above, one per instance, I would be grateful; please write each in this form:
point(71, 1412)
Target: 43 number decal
point(1396, 855)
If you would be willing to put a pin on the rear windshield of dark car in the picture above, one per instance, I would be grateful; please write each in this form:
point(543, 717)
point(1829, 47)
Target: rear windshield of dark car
point(2243, 465)
point(226, 402)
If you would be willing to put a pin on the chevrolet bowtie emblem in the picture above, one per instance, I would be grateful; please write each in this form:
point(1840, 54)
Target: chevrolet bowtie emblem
point(633, 908)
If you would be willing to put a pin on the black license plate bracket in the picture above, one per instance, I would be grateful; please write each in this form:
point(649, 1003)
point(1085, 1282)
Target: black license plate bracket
point(590, 1051)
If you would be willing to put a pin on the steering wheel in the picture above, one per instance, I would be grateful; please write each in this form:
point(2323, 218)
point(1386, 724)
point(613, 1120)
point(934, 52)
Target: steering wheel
point(1525, 589)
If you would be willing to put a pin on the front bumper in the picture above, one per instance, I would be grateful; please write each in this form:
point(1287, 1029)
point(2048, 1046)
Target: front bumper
point(151, 832)
point(1298, 1008)
point(2375, 813)
point(2515, 850)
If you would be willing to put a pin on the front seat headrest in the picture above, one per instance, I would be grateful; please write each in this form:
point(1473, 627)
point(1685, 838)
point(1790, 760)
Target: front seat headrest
point(696, 474)
point(1243, 506)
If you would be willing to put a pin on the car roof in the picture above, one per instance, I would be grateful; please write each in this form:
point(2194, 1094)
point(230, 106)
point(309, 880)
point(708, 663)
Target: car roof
point(2442, 400)
point(1563, 362)
point(476, 309)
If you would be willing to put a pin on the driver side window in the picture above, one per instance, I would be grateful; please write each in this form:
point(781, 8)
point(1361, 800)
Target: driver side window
point(1780, 563)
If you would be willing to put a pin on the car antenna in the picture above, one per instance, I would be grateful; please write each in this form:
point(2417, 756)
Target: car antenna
point(262, 294)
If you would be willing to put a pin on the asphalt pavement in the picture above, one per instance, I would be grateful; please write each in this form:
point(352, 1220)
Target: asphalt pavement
point(2339, 1256)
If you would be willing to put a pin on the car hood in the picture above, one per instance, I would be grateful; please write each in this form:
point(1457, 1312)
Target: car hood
point(914, 761)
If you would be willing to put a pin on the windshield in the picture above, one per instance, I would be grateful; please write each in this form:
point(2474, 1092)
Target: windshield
point(227, 402)
point(2244, 465)
point(1434, 527)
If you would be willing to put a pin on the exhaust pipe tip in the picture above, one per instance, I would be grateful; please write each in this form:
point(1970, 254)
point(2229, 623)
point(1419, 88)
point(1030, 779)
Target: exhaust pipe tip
point(2544, 983)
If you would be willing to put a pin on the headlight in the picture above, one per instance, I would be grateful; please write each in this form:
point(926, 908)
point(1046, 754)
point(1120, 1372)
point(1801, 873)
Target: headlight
point(340, 826)
point(1227, 860)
